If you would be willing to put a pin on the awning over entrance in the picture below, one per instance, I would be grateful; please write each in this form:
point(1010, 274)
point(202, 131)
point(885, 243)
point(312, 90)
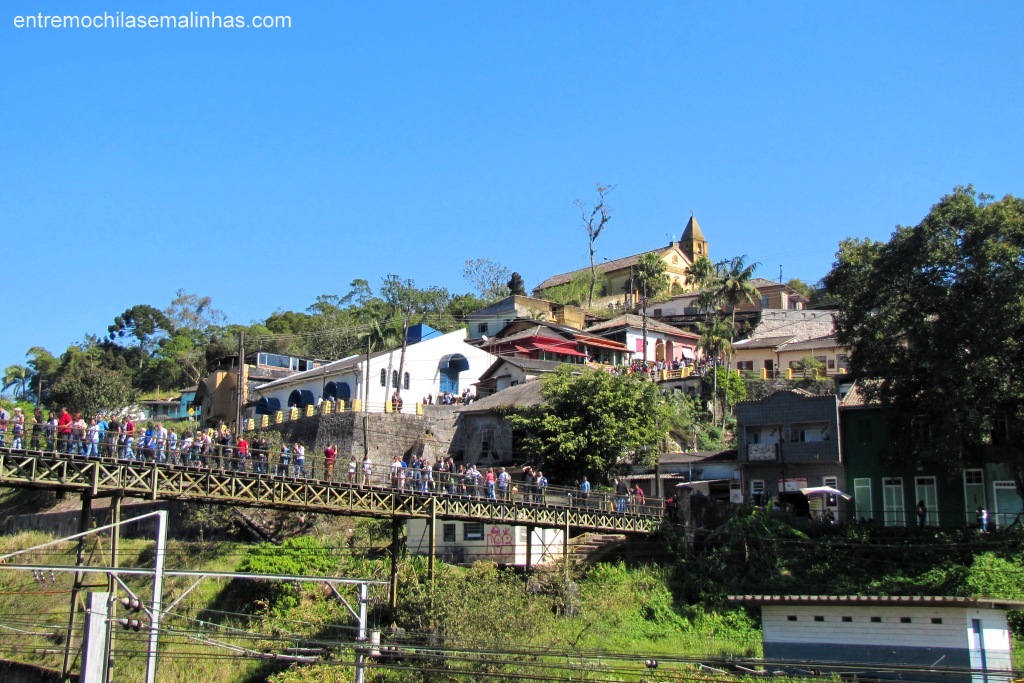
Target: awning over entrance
point(454, 361)
point(267, 406)
point(688, 352)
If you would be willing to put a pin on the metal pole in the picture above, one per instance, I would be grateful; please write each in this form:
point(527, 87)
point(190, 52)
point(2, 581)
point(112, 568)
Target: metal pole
point(241, 387)
point(158, 587)
point(115, 542)
point(83, 525)
point(393, 598)
point(432, 536)
point(366, 378)
point(361, 639)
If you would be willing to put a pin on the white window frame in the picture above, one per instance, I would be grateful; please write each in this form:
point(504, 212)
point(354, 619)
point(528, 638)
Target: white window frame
point(859, 484)
point(895, 513)
point(971, 506)
point(757, 486)
point(922, 484)
point(996, 487)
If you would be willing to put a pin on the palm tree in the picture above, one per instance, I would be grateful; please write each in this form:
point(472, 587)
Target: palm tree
point(708, 300)
point(652, 278)
point(18, 378)
point(702, 272)
point(735, 287)
point(713, 342)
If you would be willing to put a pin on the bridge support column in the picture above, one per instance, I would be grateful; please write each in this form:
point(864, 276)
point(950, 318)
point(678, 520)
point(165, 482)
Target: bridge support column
point(432, 536)
point(529, 547)
point(565, 545)
point(84, 521)
point(395, 547)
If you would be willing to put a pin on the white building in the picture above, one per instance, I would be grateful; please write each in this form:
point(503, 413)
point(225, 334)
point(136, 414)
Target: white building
point(950, 638)
point(460, 542)
point(434, 363)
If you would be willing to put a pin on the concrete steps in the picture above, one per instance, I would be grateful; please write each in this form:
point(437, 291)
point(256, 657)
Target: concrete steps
point(591, 547)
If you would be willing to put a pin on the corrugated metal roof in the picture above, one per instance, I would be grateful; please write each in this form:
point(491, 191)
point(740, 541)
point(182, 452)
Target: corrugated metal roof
point(878, 601)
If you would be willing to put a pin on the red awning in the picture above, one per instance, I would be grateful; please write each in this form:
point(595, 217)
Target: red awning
point(554, 348)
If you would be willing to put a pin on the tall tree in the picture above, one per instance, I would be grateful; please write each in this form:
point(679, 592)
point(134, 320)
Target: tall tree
point(490, 279)
point(715, 340)
point(936, 317)
point(651, 276)
point(516, 286)
point(87, 384)
point(44, 366)
point(143, 322)
point(702, 272)
point(594, 218)
point(17, 377)
point(194, 312)
point(591, 421)
point(408, 301)
point(735, 287)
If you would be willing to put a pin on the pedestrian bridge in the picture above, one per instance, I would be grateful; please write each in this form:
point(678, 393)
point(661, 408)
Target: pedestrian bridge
point(154, 481)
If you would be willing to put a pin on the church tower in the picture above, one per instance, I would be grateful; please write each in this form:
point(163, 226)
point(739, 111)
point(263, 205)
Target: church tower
point(692, 242)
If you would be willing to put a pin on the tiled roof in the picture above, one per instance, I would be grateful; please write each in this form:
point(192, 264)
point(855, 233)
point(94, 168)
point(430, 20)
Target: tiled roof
point(521, 395)
point(534, 331)
point(800, 325)
point(700, 456)
point(525, 364)
point(603, 267)
point(829, 342)
point(761, 343)
point(855, 397)
point(637, 322)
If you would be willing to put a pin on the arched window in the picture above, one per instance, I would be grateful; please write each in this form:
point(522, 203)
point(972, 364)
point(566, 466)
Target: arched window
point(394, 378)
point(405, 384)
point(383, 377)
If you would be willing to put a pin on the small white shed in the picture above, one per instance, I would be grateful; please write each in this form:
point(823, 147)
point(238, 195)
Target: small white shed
point(944, 638)
point(463, 542)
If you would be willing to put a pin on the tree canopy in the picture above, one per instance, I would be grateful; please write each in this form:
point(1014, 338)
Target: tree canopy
point(590, 421)
point(935, 317)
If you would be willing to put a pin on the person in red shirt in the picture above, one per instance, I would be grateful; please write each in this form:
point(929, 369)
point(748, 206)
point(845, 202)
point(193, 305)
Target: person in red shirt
point(64, 431)
point(330, 453)
point(242, 446)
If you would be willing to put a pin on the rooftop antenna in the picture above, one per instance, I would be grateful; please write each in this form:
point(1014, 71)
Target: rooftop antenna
point(780, 273)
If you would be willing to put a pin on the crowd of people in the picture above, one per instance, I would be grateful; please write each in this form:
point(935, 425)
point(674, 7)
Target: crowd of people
point(122, 438)
point(447, 399)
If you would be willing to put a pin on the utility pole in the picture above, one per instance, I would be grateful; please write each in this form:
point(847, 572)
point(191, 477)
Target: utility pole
point(366, 378)
point(241, 384)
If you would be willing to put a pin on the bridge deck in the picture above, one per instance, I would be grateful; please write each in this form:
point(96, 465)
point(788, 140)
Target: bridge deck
point(33, 469)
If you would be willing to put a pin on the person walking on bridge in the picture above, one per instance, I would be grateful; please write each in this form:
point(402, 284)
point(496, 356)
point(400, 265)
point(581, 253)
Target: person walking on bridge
point(330, 453)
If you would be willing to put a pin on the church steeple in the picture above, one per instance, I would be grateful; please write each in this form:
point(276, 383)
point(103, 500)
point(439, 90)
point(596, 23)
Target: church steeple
point(692, 242)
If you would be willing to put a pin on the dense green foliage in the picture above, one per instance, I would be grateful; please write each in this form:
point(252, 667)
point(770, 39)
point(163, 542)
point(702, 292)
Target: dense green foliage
point(590, 421)
point(146, 348)
point(936, 317)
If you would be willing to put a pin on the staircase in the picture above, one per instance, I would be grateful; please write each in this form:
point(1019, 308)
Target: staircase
point(592, 547)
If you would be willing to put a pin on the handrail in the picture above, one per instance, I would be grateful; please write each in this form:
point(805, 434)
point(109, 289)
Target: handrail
point(274, 463)
point(153, 480)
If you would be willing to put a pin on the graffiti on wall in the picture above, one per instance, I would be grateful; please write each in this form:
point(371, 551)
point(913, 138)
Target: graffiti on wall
point(500, 542)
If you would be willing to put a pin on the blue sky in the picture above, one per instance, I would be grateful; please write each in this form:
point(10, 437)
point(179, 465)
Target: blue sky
point(266, 167)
